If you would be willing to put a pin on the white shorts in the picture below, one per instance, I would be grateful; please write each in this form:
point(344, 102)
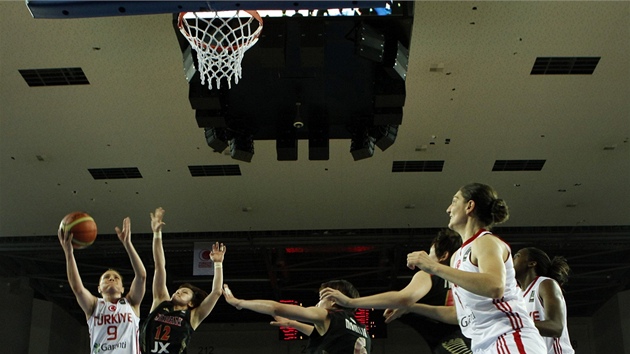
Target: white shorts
point(516, 342)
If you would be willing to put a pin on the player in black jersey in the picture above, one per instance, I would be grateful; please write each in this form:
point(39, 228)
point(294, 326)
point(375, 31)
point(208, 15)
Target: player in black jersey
point(173, 319)
point(335, 329)
point(442, 338)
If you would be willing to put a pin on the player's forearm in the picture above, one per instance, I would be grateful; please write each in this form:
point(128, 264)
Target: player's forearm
point(390, 299)
point(136, 263)
point(549, 328)
point(217, 281)
point(72, 271)
point(302, 327)
point(266, 307)
point(446, 314)
point(158, 251)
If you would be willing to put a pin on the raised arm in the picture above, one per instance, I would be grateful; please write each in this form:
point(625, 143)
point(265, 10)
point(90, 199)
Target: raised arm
point(417, 288)
point(138, 285)
point(551, 295)
point(315, 315)
point(160, 291)
point(86, 300)
point(200, 313)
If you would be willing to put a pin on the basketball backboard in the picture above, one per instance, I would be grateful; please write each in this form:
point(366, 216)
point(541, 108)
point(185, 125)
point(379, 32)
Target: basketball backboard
point(320, 70)
point(79, 9)
point(311, 76)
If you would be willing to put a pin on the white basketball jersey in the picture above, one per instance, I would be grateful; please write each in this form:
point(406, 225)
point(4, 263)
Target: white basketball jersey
point(536, 310)
point(114, 328)
point(493, 324)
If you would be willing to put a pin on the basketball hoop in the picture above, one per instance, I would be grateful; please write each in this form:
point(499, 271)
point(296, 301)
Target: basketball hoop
point(220, 39)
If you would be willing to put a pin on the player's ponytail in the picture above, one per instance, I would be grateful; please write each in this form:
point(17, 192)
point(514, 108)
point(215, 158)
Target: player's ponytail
point(489, 209)
point(556, 269)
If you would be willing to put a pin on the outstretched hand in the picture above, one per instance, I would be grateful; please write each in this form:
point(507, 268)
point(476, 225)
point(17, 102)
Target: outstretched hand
point(156, 220)
point(280, 321)
point(218, 252)
point(335, 296)
point(392, 314)
point(65, 239)
point(229, 297)
point(124, 235)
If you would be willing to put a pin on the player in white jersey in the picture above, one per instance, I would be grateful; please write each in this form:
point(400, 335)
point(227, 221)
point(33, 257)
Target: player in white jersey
point(541, 280)
point(113, 320)
point(114, 327)
point(487, 304)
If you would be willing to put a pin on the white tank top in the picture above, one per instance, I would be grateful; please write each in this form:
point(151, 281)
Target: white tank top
point(483, 319)
point(536, 310)
point(114, 328)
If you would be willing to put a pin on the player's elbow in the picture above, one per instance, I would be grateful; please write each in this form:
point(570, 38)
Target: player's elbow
point(216, 292)
point(555, 329)
point(496, 292)
point(141, 275)
point(404, 302)
point(276, 310)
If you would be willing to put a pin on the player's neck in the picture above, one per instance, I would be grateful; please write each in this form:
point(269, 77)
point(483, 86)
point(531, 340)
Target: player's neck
point(180, 307)
point(526, 280)
point(112, 297)
point(470, 229)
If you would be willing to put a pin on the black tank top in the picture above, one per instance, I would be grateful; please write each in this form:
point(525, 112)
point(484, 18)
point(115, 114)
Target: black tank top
point(432, 331)
point(344, 336)
point(166, 330)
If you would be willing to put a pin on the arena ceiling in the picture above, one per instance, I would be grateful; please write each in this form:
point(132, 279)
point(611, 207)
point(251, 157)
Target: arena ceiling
point(472, 103)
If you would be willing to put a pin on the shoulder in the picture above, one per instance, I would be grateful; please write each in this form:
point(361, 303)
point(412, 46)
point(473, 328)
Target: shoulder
point(548, 285)
point(487, 243)
point(488, 236)
point(489, 246)
point(335, 313)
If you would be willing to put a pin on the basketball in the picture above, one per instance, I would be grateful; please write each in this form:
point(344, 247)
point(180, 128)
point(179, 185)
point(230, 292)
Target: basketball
point(82, 227)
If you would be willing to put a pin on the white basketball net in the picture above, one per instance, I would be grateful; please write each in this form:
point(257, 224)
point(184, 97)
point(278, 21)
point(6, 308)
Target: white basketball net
point(220, 42)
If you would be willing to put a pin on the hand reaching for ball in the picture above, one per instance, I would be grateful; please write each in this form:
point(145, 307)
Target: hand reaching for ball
point(124, 235)
point(218, 252)
point(65, 239)
point(77, 230)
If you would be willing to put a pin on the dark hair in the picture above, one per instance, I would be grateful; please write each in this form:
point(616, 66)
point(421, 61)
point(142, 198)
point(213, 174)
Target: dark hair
point(489, 209)
point(446, 240)
point(198, 294)
point(556, 268)
point(346, 288)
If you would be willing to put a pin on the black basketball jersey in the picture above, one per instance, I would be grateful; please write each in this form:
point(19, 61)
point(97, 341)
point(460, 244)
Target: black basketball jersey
point(166, 331)
point(344, 336)
point(434, 332)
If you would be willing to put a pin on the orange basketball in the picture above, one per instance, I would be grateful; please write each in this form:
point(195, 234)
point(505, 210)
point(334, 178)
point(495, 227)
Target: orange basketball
point(81, 226)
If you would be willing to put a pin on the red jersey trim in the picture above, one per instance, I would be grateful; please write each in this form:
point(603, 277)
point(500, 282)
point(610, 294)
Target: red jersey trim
point(474, 237)
point(529, 288)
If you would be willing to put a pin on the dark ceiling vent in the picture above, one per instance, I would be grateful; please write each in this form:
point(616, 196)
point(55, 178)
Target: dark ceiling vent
point(565, 65)
point(115, 173)
point(417, 166)
point(54, 77)
point(214, 170)
point(518, 165)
